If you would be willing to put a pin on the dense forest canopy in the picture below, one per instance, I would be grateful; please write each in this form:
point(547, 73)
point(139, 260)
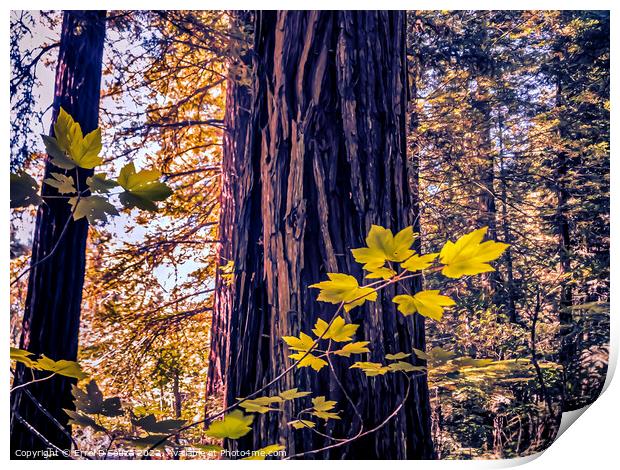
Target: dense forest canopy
point(317, 234)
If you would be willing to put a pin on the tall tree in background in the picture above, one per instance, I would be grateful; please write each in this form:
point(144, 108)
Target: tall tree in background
point(236, 124)
point(325, 159)
point(52, 311)
point(579, 179)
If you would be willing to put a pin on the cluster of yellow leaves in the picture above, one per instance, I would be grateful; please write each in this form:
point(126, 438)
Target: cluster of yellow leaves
point(372, 369)
point(338, 331)
point(467, 256)
point(264, 404)
point(322, 408)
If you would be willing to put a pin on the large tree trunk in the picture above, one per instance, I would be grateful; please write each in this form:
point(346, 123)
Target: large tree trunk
point(325, 159)
point(52, 311)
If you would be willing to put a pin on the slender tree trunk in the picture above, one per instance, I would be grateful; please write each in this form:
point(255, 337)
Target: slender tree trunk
point(324, 159)
point(510, 294)
point(176, 392)
point(236, 120)
point(561, 219)
point(487, 212)
point(52, 312)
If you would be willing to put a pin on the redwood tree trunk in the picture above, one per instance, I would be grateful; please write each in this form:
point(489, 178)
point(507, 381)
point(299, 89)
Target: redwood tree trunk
point(236, 120)
point(52, 310)
point(325, 158)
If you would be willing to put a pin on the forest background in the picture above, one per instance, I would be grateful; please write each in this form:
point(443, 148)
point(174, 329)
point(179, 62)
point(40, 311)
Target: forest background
point(491, 109)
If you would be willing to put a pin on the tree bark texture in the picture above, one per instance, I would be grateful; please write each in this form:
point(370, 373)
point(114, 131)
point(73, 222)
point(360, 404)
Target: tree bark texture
point(323, 160)
point(52, 309)
point(238, 100)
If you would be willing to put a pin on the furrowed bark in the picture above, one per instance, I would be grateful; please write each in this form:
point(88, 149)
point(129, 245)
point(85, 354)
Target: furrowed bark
point(325, 158)
point(236, 121)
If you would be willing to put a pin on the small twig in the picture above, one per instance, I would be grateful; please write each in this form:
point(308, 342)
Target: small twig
point(32, 381)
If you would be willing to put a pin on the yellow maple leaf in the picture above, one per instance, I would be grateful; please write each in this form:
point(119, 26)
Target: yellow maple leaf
point(402, 366)
point(321, 404)
point(303, 343)
point(397, 356)
point(371, 369)
point(469, 256)
point(233, 426)
point(339, 330)
point(358, 347)
point(301, 423)
point(344, 288)
point(309, 360)
point(380, 273)
point(428, 303)
point(322, 408)
point(419, 263)
point(292, 394)
point(383, 246)
point(83, 150)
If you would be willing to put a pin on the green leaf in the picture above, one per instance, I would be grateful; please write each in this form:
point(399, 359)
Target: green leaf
point(91, 401)
point(67, 131)
point(23, 356)
point(234, 425)
point(142, 188)
point(88, 154)
point(24, 190)
point(59, 157)
point(61, 367)
point(84, 421)
point(99, 184)
point(165, 426)
point(94, 208)
point(63, 183)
